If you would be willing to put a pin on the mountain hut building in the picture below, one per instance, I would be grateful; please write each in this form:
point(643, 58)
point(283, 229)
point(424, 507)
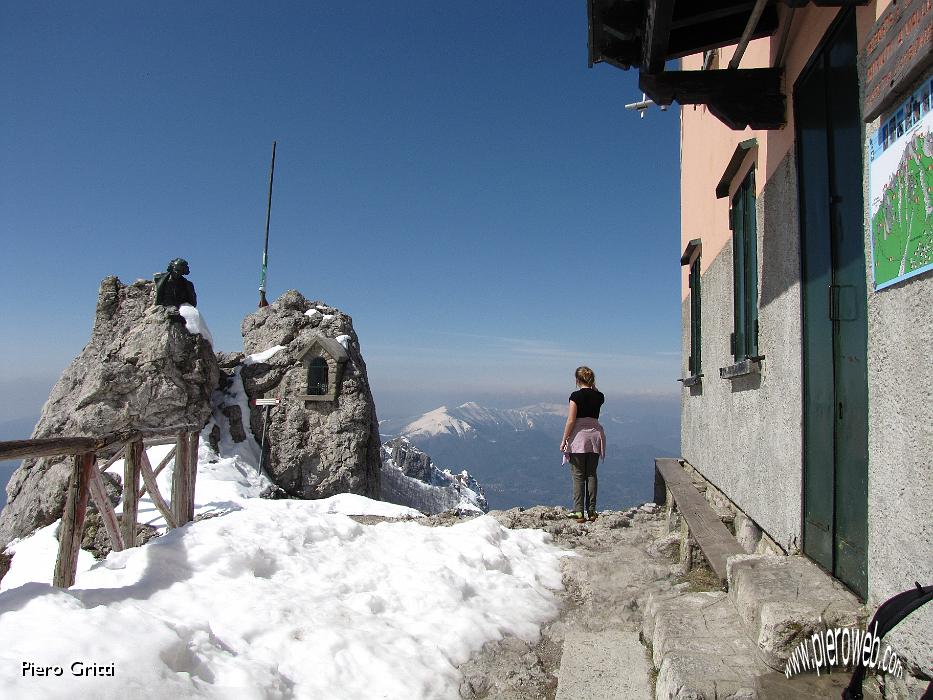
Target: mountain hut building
point(807, 270)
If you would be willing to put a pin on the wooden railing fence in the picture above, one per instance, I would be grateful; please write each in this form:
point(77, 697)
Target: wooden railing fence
point(86, 482)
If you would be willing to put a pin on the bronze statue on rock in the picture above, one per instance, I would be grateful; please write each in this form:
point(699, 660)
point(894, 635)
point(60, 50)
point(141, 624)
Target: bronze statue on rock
point(172, 289)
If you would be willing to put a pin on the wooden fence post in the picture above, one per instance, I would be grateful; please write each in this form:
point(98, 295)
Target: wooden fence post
point(149, 482)
point(194, 438)
point(180, 479)
point(132, 457)
point(99, 496)
point(158, 470)
point(72, 527)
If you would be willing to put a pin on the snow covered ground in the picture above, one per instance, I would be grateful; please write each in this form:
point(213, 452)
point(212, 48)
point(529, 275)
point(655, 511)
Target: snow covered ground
point(272, 599)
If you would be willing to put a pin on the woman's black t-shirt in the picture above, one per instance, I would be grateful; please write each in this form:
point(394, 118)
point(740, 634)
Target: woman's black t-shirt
point(588, 402)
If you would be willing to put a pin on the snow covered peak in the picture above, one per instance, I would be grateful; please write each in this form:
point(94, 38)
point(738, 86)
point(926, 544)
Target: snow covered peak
point(437, 422)
point(468, 418)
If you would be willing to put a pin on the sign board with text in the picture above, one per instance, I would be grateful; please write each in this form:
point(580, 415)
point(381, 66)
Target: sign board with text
point(899, 49)
point(901, 190)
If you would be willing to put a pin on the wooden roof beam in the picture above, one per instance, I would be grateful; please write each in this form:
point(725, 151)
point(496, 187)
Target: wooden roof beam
point(739, 98)
point(658, 17)
point(747, 34)
point(725, 31)
point(615, 28)
point(711, 15)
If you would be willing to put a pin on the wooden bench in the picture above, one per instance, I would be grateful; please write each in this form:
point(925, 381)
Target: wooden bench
point(713, 538)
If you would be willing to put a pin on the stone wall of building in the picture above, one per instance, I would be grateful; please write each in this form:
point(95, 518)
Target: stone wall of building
point(744, 434)
point(900, 446)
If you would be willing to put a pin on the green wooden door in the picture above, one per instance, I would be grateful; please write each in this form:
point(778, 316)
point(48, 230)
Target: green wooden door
point(835, 329)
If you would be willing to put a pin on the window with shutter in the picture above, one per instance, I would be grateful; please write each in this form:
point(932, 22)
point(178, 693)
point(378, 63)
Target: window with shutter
point(695, 364)
point(317, 377)
point(744, 339)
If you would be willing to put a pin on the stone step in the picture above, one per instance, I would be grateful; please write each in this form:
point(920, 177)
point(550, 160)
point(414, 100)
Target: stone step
point(781, 601)
point(699, 647)
point(702, 652)
point(607, 664)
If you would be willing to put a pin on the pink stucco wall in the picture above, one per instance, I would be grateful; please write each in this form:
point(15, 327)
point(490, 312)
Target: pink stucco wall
point(707, 145)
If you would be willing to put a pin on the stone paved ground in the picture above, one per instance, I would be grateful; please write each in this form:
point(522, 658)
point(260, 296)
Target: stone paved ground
point(607, 664)
point(592, 650)
point(623, 586)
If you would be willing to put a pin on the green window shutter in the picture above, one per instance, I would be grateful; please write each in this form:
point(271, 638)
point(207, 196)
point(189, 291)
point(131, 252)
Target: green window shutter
point(738, 271)
point(751, 268)
point(744, 340)
point(695, 317)
point(698, 351)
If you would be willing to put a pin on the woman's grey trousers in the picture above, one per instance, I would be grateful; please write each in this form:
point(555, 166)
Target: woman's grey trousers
point(583, 469)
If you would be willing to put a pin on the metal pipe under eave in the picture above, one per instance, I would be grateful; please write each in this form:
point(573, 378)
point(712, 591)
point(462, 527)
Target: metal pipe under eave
point(753, 19)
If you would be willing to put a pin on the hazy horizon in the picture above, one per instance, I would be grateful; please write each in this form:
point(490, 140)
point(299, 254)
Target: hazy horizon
point(660, 410)
point(26, 397)
point(409, 380)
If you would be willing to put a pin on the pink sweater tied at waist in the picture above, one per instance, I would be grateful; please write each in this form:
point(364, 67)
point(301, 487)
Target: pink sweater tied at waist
point(587, 436)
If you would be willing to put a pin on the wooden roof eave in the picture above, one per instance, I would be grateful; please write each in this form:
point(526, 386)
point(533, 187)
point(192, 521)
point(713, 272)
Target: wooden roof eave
point(658, 17)
point(662, 30)
point(747, 97)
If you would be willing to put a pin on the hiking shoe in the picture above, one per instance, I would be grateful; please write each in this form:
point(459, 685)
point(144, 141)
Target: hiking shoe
point(576, 514)
point(579, 517)
point(593, 515)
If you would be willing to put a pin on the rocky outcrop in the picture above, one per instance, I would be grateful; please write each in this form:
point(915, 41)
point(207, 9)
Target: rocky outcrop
point(142, 369)
point(410, 478)
point(323, 438)
point(413, 462)
point(97, 541)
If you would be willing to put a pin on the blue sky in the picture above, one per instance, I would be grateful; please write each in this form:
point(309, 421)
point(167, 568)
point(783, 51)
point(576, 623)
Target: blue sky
point(452, 175)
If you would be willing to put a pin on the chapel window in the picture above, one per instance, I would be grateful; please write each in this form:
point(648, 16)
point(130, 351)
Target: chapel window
point(317, 376)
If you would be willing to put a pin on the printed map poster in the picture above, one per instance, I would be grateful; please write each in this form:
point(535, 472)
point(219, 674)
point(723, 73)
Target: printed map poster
point(901, 191)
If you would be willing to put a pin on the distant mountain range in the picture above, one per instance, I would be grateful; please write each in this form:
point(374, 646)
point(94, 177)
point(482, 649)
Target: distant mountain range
point(471, 419)
point(513, 453)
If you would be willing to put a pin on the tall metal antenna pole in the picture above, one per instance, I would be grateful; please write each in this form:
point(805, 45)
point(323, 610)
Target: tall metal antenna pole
point(265, 250)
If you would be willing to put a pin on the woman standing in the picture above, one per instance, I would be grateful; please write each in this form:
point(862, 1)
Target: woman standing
point(584, 442)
